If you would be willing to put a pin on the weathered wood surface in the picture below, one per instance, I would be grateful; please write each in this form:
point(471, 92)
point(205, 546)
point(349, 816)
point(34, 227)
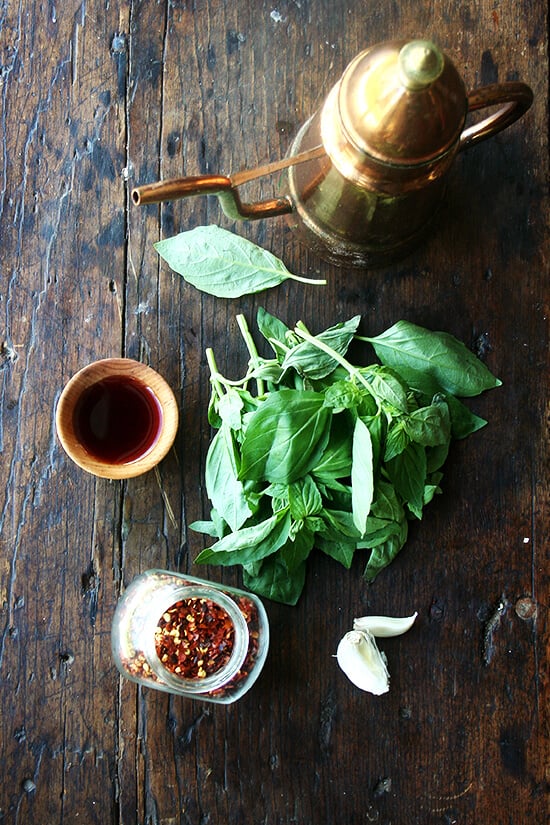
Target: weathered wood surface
point(98, 95)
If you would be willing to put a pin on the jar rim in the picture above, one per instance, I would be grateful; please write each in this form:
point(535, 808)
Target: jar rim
point(172, 595)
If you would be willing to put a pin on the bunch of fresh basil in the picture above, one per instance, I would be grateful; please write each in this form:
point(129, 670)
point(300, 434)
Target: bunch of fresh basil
point(329, 455)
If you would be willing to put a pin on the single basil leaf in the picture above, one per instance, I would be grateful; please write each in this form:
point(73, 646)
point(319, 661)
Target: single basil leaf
point(213, 416)
point(304, 498)
point(407, 471)
point(362, 476)
point(274, 331)
point(285, 437)
point(429, 426)
point(406, 346)
point(463, 421)
point(377, 425)
point(342, 395)
point(272, 581)
point(338, 496)
point(229, 407)
point(216, 527)
point(397, 440)
point(339, 524)
point(335, 462)
point(249, 544)
point(386, 503)
point(431, 490)
point(308, 359)
point(385, 553)
point(294, 552)
point(341, 550)
point(334, 491)
point(385, 518)
point(378, 532)
point(436, 456)
point(368, 404)
point(221, 263)
point(387, 387)
point(279, 496)
point(224, 489)
point(210, 528)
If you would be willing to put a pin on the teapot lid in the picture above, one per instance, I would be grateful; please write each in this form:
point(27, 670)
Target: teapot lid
point(401, 103)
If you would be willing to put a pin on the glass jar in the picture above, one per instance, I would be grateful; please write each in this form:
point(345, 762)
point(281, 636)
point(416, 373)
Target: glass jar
point(188, 636)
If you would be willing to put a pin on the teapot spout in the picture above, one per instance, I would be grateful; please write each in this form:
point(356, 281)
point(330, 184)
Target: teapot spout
point(219, 185)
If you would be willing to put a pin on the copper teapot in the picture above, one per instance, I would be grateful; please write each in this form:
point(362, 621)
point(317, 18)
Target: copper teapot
point(366, 173)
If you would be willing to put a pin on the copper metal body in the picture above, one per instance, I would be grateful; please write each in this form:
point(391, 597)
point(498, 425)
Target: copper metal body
point(367, 172)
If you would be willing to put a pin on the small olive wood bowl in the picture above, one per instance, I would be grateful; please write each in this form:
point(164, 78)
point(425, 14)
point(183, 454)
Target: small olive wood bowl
point(91, 374)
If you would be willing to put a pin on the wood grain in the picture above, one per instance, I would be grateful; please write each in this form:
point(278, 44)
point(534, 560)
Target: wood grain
point(98, 97)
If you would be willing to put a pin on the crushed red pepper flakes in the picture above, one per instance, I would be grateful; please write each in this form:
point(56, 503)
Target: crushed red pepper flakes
point(137, 664)
point(250, 613)
point(194, 638)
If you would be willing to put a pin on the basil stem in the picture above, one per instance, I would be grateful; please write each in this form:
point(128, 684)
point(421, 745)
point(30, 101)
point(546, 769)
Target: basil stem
point(251, 347)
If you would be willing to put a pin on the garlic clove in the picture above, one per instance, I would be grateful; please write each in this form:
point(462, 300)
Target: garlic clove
point(362, 662)
point(384, 626)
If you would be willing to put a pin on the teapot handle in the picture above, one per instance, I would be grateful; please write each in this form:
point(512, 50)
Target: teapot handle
point(516, 99)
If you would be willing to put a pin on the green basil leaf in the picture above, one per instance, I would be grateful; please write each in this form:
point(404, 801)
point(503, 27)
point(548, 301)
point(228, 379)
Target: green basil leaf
point(431, 490)
point(387, 387)
point(272, 581)
point(334, 491)
point(341, 550)
point(397, 440)
point(294, 552)
point(385, 518)
point(285, 437)
point(407, 471)
point(342, 395)
point(335, 462)
point(307, 359)
point(214, 418)
point(377, 427)
point(249, 544)
point(463, 421)
point(304, 498)
point(429, 426)
point(406, 346)
point(230, 407)
point(210, 528)
point(339, 524)
point(378, 532)
point(274, 331)
point(386, 504)
point(362, 476)
point(385, 553)
point(224, 489)
point(216, 527)
point(436, 456)
point(221, 263)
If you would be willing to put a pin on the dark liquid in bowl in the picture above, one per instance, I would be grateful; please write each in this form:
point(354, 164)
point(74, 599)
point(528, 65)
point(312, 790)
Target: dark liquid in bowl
point(117, 419)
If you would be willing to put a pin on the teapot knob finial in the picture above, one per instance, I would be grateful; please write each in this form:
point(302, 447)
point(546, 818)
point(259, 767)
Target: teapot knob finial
point(420, 64)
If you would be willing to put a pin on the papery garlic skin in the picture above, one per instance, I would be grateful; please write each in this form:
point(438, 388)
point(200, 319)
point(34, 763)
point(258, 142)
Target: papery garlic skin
point(384, 626)
point(362, 662)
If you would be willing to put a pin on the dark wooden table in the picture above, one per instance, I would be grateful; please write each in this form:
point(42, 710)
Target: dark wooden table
point(97, 97)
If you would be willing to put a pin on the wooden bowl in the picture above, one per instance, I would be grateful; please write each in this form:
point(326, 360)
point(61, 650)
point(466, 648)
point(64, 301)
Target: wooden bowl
point(138, 418)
